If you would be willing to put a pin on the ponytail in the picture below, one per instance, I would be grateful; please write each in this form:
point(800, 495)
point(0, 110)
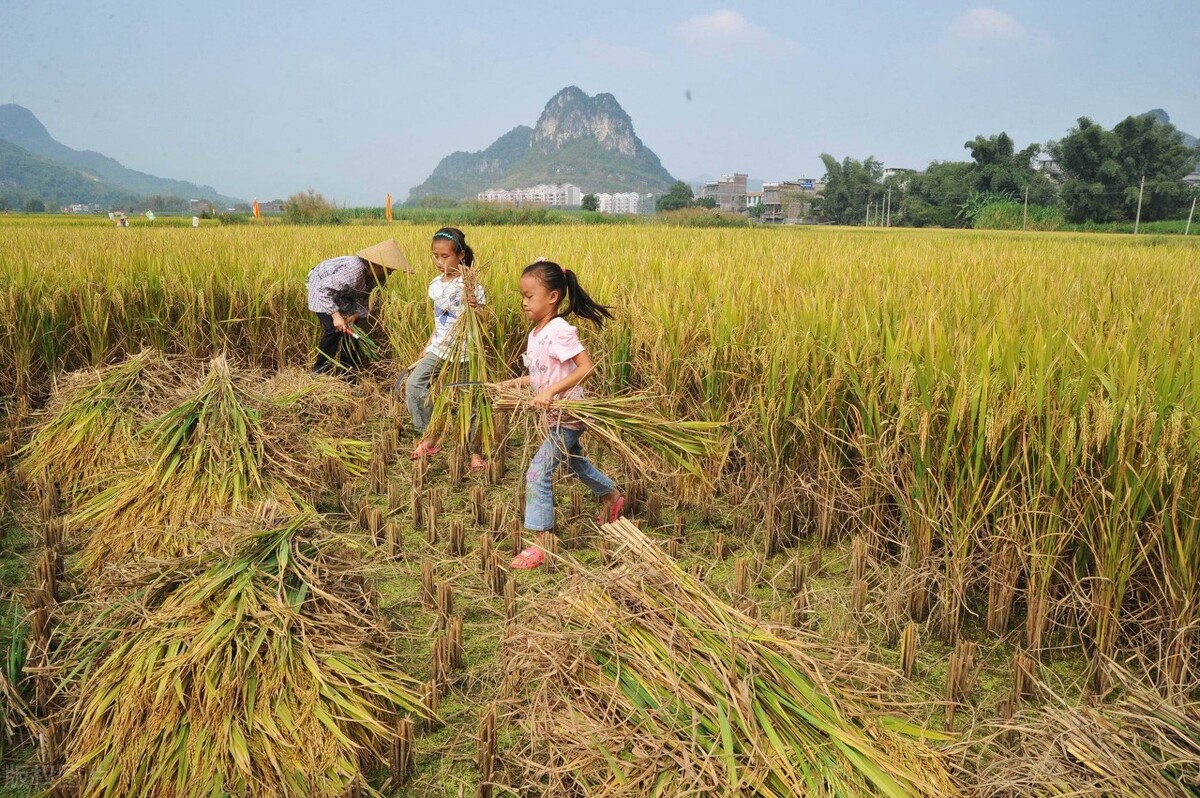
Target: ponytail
point(566, 283)
point(459, 239)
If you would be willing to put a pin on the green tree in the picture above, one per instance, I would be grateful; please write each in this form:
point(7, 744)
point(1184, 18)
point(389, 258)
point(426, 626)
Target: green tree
point(160, 203)
point(34, 206)
point(590, 202)
point(849, 186)
point(1104, 169)
point(310, 208)
point(1002, 169)
point(678, 196)
point(436, 201)
point(705, 202)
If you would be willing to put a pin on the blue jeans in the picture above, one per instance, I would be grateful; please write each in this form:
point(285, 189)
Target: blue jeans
point(416, 390)
point(420, 403)
point(561, 446)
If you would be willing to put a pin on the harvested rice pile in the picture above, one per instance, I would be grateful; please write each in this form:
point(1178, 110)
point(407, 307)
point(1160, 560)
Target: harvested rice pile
point(90, 425)
point(254, 668)
point(650, 685)
point(149, 451)
point(1141, 744)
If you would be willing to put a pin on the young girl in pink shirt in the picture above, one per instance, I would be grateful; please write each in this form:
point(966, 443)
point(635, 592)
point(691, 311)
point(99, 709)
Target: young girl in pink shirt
point(558, 364)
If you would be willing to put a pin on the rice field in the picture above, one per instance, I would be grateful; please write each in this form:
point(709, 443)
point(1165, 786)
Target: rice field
point(957, 480)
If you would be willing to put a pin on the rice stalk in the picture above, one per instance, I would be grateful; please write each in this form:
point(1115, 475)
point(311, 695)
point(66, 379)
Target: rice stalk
point(659, 688)
point(91, 425)
point(626, 425)
point(253, 668)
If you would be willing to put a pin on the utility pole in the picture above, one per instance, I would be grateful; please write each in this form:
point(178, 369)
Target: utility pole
point(1138, 220)
point(889, 209)
point(1025, 213)
point(867, 222)
point(1190, 214)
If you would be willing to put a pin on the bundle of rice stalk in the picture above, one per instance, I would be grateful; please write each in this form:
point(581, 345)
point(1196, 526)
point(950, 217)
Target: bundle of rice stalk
point(660, 688)
point(204, 459)
point(628, 425)
point(305, 420)
point(256, 668)
point(222, 447)
point(368, 350)
point(1143, 744)
point(92, 421)
point(460, 388)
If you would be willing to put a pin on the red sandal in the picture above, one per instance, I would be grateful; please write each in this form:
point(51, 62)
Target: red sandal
point(614, 511)
point(529, 558)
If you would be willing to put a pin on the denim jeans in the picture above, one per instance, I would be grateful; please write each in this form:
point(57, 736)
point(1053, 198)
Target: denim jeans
point(561, 446)
point(420, 403)
point(416, 390)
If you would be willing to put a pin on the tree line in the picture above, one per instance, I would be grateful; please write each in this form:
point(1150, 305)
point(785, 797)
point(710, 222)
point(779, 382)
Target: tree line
point(1092, 175)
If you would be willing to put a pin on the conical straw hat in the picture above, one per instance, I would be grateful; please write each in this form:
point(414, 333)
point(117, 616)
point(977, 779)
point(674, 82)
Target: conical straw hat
point(386, 254)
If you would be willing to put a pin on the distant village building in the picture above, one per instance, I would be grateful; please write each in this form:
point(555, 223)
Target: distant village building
point(625, 202)
point(729, 192)
point(753, 199)
point(563, 195)
point(893, 171)
point(83, 207)
point(1050, 167)
point(788, 201)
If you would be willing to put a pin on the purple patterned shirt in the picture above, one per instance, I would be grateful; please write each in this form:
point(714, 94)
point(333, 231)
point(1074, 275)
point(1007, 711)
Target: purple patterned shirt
point(338, 284)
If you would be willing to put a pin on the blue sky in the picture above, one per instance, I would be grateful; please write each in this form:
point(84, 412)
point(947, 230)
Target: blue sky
point(358, 99)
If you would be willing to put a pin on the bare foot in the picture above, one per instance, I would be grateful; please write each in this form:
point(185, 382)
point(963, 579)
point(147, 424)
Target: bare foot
point(424, 449)
point(477, 462)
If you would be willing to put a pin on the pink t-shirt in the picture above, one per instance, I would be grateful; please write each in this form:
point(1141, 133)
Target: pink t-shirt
point(548, 356)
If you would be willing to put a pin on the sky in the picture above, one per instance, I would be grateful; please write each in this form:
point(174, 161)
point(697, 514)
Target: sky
point(357, 99)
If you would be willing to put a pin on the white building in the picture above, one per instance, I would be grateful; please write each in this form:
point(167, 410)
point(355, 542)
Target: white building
point(562, 195)
point(626, 202)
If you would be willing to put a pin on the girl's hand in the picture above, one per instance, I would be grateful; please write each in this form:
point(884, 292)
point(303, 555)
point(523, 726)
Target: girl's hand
point(542, 400)
point(339, 322)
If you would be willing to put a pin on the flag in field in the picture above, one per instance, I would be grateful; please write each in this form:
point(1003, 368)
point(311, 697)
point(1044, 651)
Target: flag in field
point(387, 208)
point(257, 212)
point(150, 215)
point(195, 221)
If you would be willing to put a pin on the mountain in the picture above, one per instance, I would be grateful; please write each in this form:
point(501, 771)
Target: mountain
point(465, 174)
point(25, 176)
point(587, 141)
point(1163, 117)
point(20, 127)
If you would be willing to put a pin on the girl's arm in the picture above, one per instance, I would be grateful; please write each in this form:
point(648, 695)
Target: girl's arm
point(515, 382)
point(583, 369)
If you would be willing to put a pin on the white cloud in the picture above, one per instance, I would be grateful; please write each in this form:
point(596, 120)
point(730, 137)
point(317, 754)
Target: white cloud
point(729, 29)
point(986, 23)
point(617, 55)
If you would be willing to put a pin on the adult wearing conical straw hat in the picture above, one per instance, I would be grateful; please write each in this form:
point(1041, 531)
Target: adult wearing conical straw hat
point(339, 291)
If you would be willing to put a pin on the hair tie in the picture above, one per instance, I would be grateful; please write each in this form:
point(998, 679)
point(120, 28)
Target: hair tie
point(564, 270)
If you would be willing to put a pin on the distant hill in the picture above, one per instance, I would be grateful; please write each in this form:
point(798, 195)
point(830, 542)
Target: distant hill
point(25, 176)
point(465, 174)
point(587, 141)
point(20, 127)
point(1162, 116)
